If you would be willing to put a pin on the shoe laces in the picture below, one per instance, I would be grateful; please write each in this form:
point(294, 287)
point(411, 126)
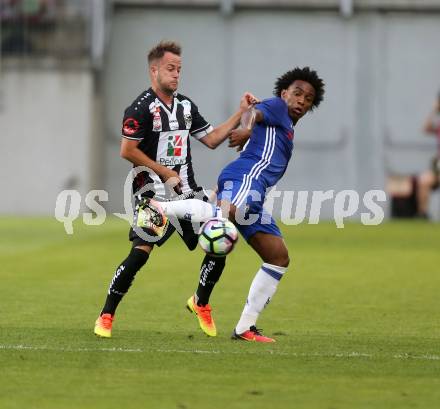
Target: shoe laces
point(106, 321)
point(256, 331)
point(205, 312)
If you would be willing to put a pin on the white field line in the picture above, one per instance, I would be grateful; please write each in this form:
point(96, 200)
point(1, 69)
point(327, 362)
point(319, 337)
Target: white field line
point(404, 356)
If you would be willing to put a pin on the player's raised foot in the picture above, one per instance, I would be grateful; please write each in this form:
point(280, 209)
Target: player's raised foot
point(252, 335)
point(103, 326)
point(203, 314)
point(150, 216)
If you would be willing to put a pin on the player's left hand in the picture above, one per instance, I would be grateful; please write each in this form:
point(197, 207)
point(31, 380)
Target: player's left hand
point(238, 137)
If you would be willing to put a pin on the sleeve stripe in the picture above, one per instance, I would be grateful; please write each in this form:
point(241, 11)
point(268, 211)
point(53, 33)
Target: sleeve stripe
point(203, 133)
point(132, 139)
point(200, 129)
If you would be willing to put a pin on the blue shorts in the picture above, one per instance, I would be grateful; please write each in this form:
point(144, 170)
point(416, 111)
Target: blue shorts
point(248, 195)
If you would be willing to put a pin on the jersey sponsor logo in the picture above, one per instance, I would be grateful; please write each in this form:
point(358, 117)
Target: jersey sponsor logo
point(174, 145)
point(130, 126)
point(172, 148)
point(157, 121)
point(172, 161)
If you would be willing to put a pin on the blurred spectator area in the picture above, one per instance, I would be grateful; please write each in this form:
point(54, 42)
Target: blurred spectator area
point(41, 28)
point(286, 4)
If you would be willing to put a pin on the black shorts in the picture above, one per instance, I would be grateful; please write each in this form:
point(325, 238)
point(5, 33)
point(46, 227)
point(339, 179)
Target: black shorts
point(189, 232)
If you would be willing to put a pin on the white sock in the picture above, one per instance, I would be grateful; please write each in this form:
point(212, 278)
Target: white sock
point(193, 210)
point(263, 288)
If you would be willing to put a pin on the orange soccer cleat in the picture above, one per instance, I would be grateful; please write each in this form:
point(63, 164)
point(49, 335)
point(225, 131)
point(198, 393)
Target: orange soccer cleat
point(252, 335)
point(103, 325)
point(203, 314)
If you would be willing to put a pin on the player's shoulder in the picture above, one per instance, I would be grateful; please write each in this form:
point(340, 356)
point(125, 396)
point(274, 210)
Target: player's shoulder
point(142, 101)
point(273, 106)
point(184, 99)
point(273, 101)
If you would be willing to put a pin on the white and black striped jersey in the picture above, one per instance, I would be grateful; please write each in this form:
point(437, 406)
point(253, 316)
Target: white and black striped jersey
point(163, 132)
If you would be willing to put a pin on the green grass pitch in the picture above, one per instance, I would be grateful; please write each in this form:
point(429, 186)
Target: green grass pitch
point(356, 320)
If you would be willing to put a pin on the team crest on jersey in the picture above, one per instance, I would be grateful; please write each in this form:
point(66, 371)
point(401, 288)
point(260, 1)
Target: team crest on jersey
point(188, 120)
point(130, 126)
point(187, 113)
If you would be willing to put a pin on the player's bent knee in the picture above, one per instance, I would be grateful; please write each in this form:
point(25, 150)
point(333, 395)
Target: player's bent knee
point(284, 261)
point(137, 258)
point(145, 248)
point(281, 259)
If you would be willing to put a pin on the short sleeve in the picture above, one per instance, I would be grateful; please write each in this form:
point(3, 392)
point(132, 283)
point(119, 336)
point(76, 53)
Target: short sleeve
point(134, 124)
point(274, 111)
point(199, 127)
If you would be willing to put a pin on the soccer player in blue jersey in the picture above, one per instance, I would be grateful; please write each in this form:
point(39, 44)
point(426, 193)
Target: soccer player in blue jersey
point(242, 186)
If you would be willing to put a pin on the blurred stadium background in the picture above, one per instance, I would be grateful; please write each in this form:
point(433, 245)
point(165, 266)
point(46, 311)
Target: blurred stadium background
point(70, 67)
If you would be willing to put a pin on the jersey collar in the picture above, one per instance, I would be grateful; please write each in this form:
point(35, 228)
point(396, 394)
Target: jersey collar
point(163, 104)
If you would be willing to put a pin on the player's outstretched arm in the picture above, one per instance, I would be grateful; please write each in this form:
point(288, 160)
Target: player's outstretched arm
point(221, 132)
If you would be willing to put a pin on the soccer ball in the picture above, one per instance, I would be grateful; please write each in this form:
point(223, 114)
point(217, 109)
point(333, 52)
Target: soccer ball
point(217, 237)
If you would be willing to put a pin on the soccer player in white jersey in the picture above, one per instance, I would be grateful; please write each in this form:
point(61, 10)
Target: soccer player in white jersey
point(157, 129)
point(243, 183)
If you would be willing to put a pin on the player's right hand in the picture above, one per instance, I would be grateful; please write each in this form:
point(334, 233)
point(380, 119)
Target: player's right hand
point(172, 179)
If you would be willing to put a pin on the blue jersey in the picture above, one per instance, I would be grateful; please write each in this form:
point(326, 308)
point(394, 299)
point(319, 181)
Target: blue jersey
point(267, 153)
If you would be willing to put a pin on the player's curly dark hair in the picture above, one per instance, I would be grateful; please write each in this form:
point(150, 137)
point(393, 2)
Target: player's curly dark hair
point(303, 74)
